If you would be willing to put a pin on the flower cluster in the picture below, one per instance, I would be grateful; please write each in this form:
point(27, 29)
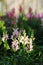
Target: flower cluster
point(29, 15)
point(21, 38)
point(11, 14)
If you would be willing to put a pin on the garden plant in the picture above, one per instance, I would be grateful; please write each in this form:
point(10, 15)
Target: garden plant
point(21, 38)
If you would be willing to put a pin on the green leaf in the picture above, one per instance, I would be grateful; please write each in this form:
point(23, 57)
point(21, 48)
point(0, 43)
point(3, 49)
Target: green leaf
point(0, 41)
point(6, 45)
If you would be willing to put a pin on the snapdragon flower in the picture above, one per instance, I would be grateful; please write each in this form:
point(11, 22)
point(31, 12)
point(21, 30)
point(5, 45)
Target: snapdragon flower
point(31, 46)
point(24, 40)
point(11, 14)
point(36, 15)
point(4, 37)
point(15, 45)
point(28, 15)
point(41, 15)
point(16, 32)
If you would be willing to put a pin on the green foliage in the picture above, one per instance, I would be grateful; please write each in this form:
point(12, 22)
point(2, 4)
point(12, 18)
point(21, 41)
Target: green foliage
point(32, 27)
point(2, 28)
point(0, 41)
point(34, 57)
point(6, 46)
point(32, 24)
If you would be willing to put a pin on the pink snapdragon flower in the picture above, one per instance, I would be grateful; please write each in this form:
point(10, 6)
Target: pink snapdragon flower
point(28, 15)
point(36, 15)
point(11, 14)
point(15, 45)
point(17, 16)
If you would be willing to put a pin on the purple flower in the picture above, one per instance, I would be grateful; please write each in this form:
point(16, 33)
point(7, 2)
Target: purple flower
point(16, 32)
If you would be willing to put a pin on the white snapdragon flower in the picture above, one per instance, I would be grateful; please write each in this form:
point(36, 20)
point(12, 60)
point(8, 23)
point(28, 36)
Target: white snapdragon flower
point(4, 37)
point(24, 40)
point(11, 36)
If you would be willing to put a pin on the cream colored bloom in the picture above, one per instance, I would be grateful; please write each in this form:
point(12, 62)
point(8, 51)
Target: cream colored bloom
point(31, 46)
point(3, 38)
point(24, 40)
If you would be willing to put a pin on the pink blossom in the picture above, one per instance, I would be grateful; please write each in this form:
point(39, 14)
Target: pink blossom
point(11, 14)
point(36, 15)
point(17, 16)
point(28, 15)
point(13, 10)
point(41, 15)
point(15, 45)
